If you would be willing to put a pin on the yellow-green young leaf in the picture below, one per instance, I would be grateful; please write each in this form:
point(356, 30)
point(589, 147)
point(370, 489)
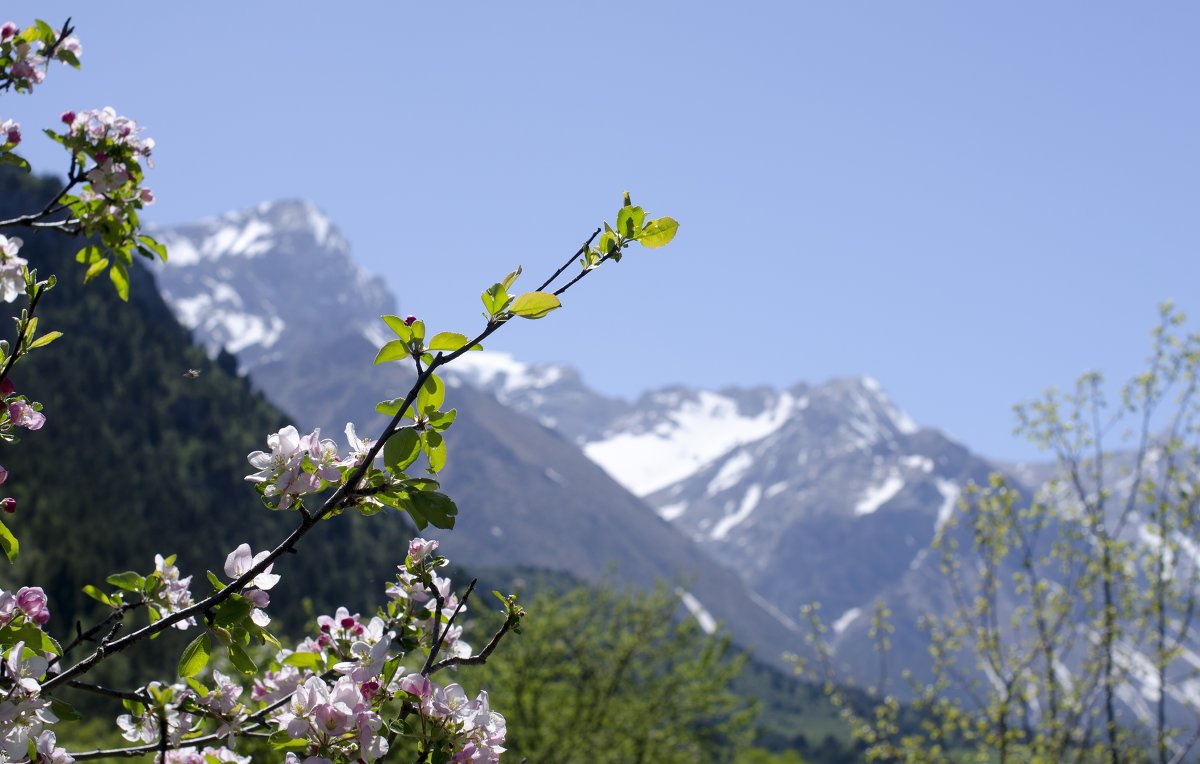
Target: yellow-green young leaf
point(511, 278)
point(398, 326)
point(95, 269)
point(395, 350)
point(303, 660)
point(8, 542)
point(44, 340)
point(658, 233)
point(392, 407)
point(97, 595)
point(120, 279)
point(240, 660)
point(630, 220)
point(534, 304)
point(435, 451)
point(401, 449)
point(449, 341)
point(418, 330)
point(88, 254)
point(154, 246)
point(431, 394)
point(195, 656)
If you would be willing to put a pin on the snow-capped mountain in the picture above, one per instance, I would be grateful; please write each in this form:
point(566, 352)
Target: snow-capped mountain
point(826, 493)
point(235, 281)
point(823, 493)
point(277, 287)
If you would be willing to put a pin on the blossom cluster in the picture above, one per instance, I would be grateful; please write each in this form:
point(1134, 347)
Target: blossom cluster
point(332, 691)
point(15, 411)
point(301, 464)
point(173, 592)
point(146, 726)
point(26, 54)
point(115, 146)
point(24, 712)
point(12, 268)
point(239, 562)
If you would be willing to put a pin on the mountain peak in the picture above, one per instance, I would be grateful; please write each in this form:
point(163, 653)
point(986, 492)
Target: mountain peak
point(231, 280)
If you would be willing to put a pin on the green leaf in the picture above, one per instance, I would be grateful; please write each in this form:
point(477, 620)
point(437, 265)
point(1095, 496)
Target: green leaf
point(390, 407)
point(441, 420)
point(449, 341)
point(64, 711)
point(240, 660)
point(233, 611)
point(398, 326)
point(395, 350)
point(9, 543)
point(495, 298)
point(402, 449)
point(98, 595)
point(658, 233)
point(34, 638)
point(195, 656)
point(89, 254)
point(13, 159)
point(534, 304)
point(215, 580)
point(154, 246)
point(303, 660)
point(44, 340)
point(630, 221)
point(437, 507)
point(418, 330)
point(435, 451)
point(280, 740)
point(129, 581)
point(119, 276)
point(431, 395)
point(511, 278)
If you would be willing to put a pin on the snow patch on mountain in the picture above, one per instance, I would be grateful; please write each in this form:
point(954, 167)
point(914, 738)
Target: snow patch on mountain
point(691, 434)
point(708, 624)
point(950, 492)
point(845, 619)
point(876, 496)
point(502, 373)
point(729, 522)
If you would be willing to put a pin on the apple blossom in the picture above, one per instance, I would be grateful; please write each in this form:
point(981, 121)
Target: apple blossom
point(12, 131)
point(24, 415)
point(12, 268)
point(31, 601)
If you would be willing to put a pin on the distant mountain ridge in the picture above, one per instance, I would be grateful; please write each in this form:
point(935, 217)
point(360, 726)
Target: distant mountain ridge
point(823, 493)
point(527, 496)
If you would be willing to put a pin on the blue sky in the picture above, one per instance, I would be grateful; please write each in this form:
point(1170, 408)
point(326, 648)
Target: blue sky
point(968, 203)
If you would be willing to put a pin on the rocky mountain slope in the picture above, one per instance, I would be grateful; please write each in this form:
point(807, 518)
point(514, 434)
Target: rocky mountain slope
point(526, 496)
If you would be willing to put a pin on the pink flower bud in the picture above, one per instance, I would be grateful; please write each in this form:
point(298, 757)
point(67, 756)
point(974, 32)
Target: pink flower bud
point(8, 504)
point(68, 117)
point(347, 623)
point(3, 475)
point(409, 320)
point(14, 135)
point(6, 387)
point(8, 31)
point(147, 196)
point(31, 601)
